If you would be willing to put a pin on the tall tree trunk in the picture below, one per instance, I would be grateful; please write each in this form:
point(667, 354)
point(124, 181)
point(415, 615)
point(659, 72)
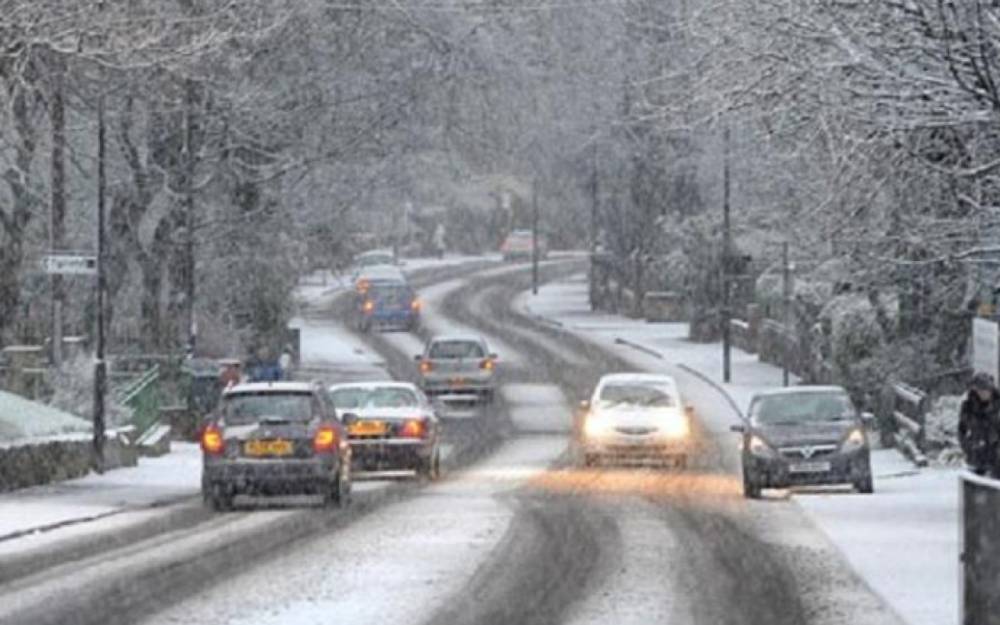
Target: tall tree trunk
point(57, 210)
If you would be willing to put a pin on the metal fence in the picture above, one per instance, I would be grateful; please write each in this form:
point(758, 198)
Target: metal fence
point(981, 551)
point(907, 414)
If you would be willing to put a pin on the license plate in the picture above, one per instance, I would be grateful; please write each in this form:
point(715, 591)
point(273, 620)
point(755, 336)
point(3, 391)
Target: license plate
point(809, 467)
point(367, 428)
point(278, 447)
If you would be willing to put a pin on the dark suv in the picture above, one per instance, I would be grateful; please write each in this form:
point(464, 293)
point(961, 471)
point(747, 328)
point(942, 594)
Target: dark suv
point(275, 438)
point(804, 435)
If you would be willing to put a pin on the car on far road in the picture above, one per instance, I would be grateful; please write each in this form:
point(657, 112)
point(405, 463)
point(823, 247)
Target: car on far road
point(458, 364)
point(804, 435)
point(389, 304)
point(275, 438)
point(518, 246)
point(636, 417)
point(374, 258)
point(396, 427)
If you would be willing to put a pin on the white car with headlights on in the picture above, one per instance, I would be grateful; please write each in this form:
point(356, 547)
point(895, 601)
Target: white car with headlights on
point(636, 417)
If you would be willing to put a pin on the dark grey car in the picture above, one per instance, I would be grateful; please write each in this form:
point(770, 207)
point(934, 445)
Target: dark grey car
point(275, 438)
point(805, 435)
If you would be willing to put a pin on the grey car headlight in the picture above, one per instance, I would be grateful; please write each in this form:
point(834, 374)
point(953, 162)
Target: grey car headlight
point(759, 447)
point(855, 440)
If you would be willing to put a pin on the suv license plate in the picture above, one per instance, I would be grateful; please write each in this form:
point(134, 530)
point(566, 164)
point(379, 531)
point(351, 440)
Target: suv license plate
point(809, 467)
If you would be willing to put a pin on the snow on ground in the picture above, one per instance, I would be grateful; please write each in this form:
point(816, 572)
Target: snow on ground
point(538, 407)
point(153, 481)
point(418, 552)
point(903, 541)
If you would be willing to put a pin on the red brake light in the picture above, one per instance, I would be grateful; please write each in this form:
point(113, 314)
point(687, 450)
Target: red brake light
point(212, 442)
point(425, 366)
point(415, 305)
point(369, 306)
point(487, 364)
point(325, 439)
point(412, 428)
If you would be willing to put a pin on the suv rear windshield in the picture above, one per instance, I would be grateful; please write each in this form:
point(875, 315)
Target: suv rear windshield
point(637, 395)
point(391, 293)
point(384, 397)
point(807, 407)
point(246, 408)
point(456, 349)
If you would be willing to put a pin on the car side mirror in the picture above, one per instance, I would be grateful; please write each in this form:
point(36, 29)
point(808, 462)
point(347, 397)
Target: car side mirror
point(494, 357)
point(418, 357)
point(867, 418)
point(348, 418)
point(739, 428)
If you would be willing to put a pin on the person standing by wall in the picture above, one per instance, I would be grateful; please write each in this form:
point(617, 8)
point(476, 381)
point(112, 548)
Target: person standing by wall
point(979, 425)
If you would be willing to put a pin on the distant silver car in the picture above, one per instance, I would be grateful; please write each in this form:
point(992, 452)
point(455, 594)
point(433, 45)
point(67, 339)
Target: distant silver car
point(458, 365)
point(636, 416)
point(396, 427)
point(804, 435)
point(275, 438)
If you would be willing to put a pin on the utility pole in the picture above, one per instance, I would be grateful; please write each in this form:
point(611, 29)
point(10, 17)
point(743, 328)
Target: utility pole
point(786, 287)
point(100, 370)
point(189, 215)
point(726, 312)
point(593, 228)
point(534, 236)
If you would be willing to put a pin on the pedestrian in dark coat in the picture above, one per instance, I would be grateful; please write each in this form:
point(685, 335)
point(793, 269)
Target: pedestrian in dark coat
point(979, 425)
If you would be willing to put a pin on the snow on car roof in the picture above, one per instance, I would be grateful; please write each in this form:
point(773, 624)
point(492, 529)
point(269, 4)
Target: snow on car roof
point(373, 384)
point(473, 338)
point(645, 378)
point(271, 387)
point(382, 271)
point(805, 388)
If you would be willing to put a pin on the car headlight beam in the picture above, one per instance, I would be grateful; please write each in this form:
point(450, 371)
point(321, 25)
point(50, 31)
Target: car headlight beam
point(855, 440)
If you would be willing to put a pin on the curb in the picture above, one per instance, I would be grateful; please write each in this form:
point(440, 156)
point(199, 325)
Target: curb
point(641, 348)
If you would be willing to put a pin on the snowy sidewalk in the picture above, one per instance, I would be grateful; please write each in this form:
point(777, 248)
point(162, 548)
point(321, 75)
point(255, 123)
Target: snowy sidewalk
point(903, 541)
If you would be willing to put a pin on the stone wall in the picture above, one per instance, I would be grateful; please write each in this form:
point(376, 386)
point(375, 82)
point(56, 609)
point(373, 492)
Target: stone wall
point(53, 460)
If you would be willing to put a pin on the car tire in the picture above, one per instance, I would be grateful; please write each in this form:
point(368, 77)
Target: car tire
point(865, 484)
point(751, 487)
point(431, 467)
point(590, 460)
point(219, 498)
point(681, 462)
point(337, 494)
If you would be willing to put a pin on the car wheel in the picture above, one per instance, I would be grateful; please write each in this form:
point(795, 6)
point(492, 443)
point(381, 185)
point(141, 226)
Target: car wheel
point(431, 467)
point(751, 487)
point(590, 460)
point(337, 494)
point(865, 485)
point(220, 499)
point(681, 462)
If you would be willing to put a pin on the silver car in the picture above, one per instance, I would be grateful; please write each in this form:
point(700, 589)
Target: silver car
point(458, 365)
point(804, 435)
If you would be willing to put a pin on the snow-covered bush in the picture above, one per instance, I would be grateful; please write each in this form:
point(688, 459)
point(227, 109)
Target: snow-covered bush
point(941, 429)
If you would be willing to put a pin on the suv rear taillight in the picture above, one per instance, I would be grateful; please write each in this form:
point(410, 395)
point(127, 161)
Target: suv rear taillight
point(487, 364)
point(415, 305)
point(325, 439)
point(425, 366)
point(212, 442)
point(412, 428)
point(369, 306)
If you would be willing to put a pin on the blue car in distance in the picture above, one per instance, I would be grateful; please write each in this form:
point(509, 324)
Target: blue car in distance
point(392, 305)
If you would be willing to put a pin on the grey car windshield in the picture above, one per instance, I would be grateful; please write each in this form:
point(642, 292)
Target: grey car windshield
point(384, 397)
point(636, 394)
point(794, 408)
point(246, 408)
point(456, 349)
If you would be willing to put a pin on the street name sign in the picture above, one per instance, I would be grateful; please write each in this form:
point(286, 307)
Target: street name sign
point(71, 264)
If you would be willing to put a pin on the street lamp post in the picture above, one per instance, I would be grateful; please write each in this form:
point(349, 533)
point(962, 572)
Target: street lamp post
point(534, 236)
point(726, 338)
point(100, 366)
